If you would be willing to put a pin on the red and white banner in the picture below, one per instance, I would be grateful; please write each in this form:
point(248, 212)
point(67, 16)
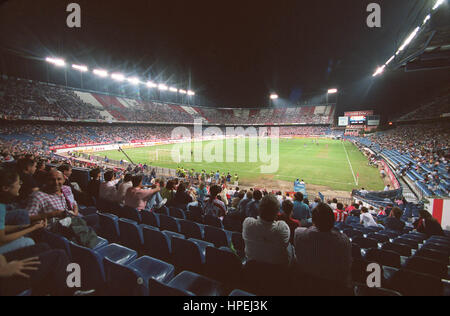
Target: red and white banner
point(391, 175)
point(440, 209)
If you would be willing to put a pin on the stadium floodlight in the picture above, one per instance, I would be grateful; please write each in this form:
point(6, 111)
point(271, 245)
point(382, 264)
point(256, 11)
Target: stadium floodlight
point(172, 89)
point(408, 40)
point(274, 96)
point(118, 77)
point(379, 71)
point(190, 92)
point(163, 87)
point(56, 61)
point(332, 91)
point(438, 3)
point(390, 60)
point(80, 68)
point(182, 91)
point(151, 84)
point(134, 80)
point(428, 17)
point(100, 72)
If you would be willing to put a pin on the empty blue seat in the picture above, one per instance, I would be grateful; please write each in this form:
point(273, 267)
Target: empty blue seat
point(380, 238)
point(56, 241)
point(353, 233)
point(217, 236)
point(131, 213)
point(163, 210)
point(356, 251)
point(191, 229)
point(428, 266)
point(384, 257)
point(238, 292)
point(402, 250)
point(109, 226)
point(186, 255)
point(168, 223)
point(91, 264)
point(365, 242)
point(101, 242)
point(412, 283)
point(434, 254)
point(202, 244)
point(117, 254)
point(230, 265)
point(416, 238)
point(388, 233)
point(156, 243)
point(213, 221)
point(133, 279)
point(177, 213)
point(197, 284)
point(412, 243)
point(150, 218)
point(157, 288)
point(130, 234)
point(437, 246)
point(195, 214)
point(440, 239)
point(171, 234)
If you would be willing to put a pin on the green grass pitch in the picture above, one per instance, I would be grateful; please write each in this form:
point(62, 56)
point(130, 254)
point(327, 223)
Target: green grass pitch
point(329, 163)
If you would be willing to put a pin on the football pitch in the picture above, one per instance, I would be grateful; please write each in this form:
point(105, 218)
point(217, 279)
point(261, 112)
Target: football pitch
point(324, 162)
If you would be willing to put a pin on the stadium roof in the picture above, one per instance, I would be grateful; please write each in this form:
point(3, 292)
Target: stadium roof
point(232, 53)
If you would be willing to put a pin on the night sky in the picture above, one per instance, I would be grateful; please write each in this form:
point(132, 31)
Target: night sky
point(232, 53)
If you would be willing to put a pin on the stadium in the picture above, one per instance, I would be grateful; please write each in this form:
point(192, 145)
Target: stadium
point(233, 162)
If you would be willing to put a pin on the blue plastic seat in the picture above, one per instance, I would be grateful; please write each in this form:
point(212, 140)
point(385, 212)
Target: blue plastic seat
point(191, 229)
point(217, 236)
point(195, 214)
point(156, 243)
point(117, 254)
point(213, 221)
point(384, 257)
point(197, 284)
point(434, 254)
point(437, 246)
point(186, 255)
point(101, 242)
point(133, 279)
point(379, 238)
point(109, 226)
point(131, 214)
point(230, 265)
point(353, 233)
point(388, 233)
point(157, 288)
point(412, 283)
point(131, 234)
point(401, 249)
point(177, 213)
point(162, 211)
point(56, 241)
point(238, 293)
point(356, 251)
point(365, 243)
point(412, 243)
point(168, 223)
point(428, 266)
point(150, 218)
point(203, 245)
point(91, 263)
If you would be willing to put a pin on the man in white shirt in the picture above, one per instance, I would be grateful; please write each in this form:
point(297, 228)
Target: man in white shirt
point(267, 240)
point(366, 218)
point(387, 188)
point(108, 190)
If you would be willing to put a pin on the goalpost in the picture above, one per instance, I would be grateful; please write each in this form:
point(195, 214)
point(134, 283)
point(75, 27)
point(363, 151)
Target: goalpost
point(164, 155)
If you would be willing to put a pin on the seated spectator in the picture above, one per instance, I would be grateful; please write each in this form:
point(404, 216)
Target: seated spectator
point(213, 206)
point(201, 193)
point(182, 197)
point(66, 170)
point(37, 268)
point(26, 168)
point(267, 240)
point(252, 208)
point(322, 251)
point(167, 190)
point(367, 219)
point(355, 211)
point(393, 222)
point(57, 200)
point(236, 200)
point(13, 237)
point(333, 204)
point(124, 186)
point(428, 225)
point(40, 173)
point(301, 211)
point(286, 216)
point(108, 190)
point(143, 199)
point(94, 184)
point(340, 214)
